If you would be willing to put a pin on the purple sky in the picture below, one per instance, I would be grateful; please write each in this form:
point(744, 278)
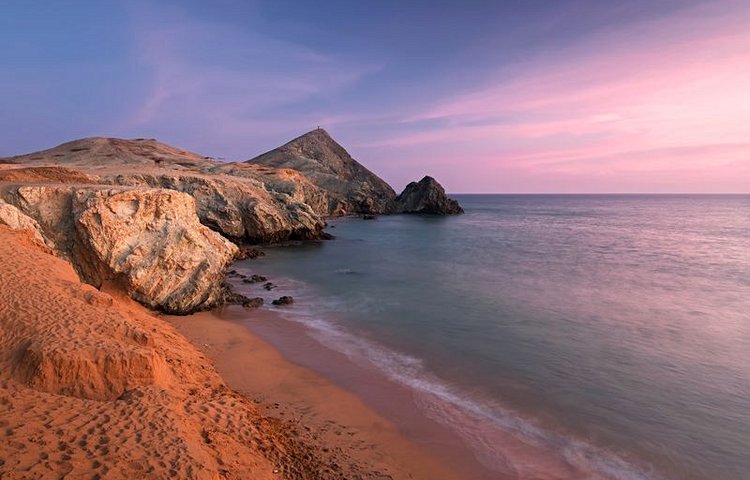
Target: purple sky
point(502, 96)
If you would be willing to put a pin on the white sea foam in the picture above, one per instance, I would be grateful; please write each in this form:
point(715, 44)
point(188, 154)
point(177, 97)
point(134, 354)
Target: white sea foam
point(486, 426)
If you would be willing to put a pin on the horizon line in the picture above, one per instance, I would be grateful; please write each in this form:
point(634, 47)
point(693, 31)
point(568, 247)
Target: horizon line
point(599, 193)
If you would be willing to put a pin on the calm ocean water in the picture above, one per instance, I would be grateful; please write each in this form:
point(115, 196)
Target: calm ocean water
point(612, 332)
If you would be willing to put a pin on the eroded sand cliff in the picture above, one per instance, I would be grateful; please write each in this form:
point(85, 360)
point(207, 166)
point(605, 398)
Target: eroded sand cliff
point(93, 386)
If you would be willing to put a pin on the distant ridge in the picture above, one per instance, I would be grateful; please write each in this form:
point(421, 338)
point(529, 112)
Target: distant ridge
point(104, 151)
point(311, 172)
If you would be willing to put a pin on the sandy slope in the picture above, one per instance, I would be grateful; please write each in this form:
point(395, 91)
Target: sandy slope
point(93, 386)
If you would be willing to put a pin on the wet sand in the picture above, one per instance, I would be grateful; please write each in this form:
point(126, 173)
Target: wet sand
point(324, 412)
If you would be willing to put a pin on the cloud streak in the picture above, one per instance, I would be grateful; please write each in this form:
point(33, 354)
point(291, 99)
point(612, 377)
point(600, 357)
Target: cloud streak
point(216, 87)
point(671, 101)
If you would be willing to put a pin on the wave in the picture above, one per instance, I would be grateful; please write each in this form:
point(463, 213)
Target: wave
point(502, 440)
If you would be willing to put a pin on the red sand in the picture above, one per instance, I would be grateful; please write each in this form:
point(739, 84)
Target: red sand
point(92, 385)
point(335, 417)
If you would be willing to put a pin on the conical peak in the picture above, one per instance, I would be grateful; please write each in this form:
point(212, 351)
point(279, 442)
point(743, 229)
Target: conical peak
point(314, 137)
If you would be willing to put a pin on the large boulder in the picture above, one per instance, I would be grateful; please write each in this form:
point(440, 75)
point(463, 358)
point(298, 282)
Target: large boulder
point(152, 243)
point(149, 241)
point(351, 188)
point(12, 217)
point(426, 196)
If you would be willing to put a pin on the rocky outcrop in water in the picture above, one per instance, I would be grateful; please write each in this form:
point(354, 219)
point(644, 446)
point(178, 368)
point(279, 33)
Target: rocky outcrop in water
point(285, 300)
point(349, 186)
point(427, 196)
point(255, 302)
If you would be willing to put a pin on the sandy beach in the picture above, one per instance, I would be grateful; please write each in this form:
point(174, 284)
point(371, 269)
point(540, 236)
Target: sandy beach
point(94, 385)
point(315, 408)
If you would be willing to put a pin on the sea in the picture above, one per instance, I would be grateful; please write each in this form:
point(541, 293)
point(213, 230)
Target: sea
point(554, 336)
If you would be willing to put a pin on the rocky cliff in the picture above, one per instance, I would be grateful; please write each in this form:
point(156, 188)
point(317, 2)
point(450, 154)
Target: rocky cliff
point(155, 219)
point(242, 203)
point(426, 196)
point(350, 187)
point(147, 241)
point(243, 209)
point(161, 221)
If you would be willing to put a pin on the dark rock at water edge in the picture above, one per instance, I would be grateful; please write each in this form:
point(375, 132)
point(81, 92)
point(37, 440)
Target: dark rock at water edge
point(253, 302)
point(427, 196)
point(285, 300)
point(255, 279)
point(248, 252)
point(234, 298)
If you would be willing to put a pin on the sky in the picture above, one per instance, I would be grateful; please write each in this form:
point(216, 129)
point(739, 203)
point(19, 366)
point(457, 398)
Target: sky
point(508, 96)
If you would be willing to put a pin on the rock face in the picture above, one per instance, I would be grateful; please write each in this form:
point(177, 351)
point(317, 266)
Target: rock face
point(240, 208)
point(149, 241)
point(246, 203)
point(426, 196)
point(285, 300)
point(286, 183)
point(12, 217)
point(152, 242)
point(350, 187)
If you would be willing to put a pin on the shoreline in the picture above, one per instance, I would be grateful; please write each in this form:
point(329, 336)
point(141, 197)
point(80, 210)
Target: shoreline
point(319, 409)
point(467, 439)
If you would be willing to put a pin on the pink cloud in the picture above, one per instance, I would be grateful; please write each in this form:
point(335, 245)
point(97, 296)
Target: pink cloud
point(669, 102)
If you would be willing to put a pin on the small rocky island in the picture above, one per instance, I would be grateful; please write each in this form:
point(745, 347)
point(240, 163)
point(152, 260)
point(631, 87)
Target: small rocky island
point(427, 196)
